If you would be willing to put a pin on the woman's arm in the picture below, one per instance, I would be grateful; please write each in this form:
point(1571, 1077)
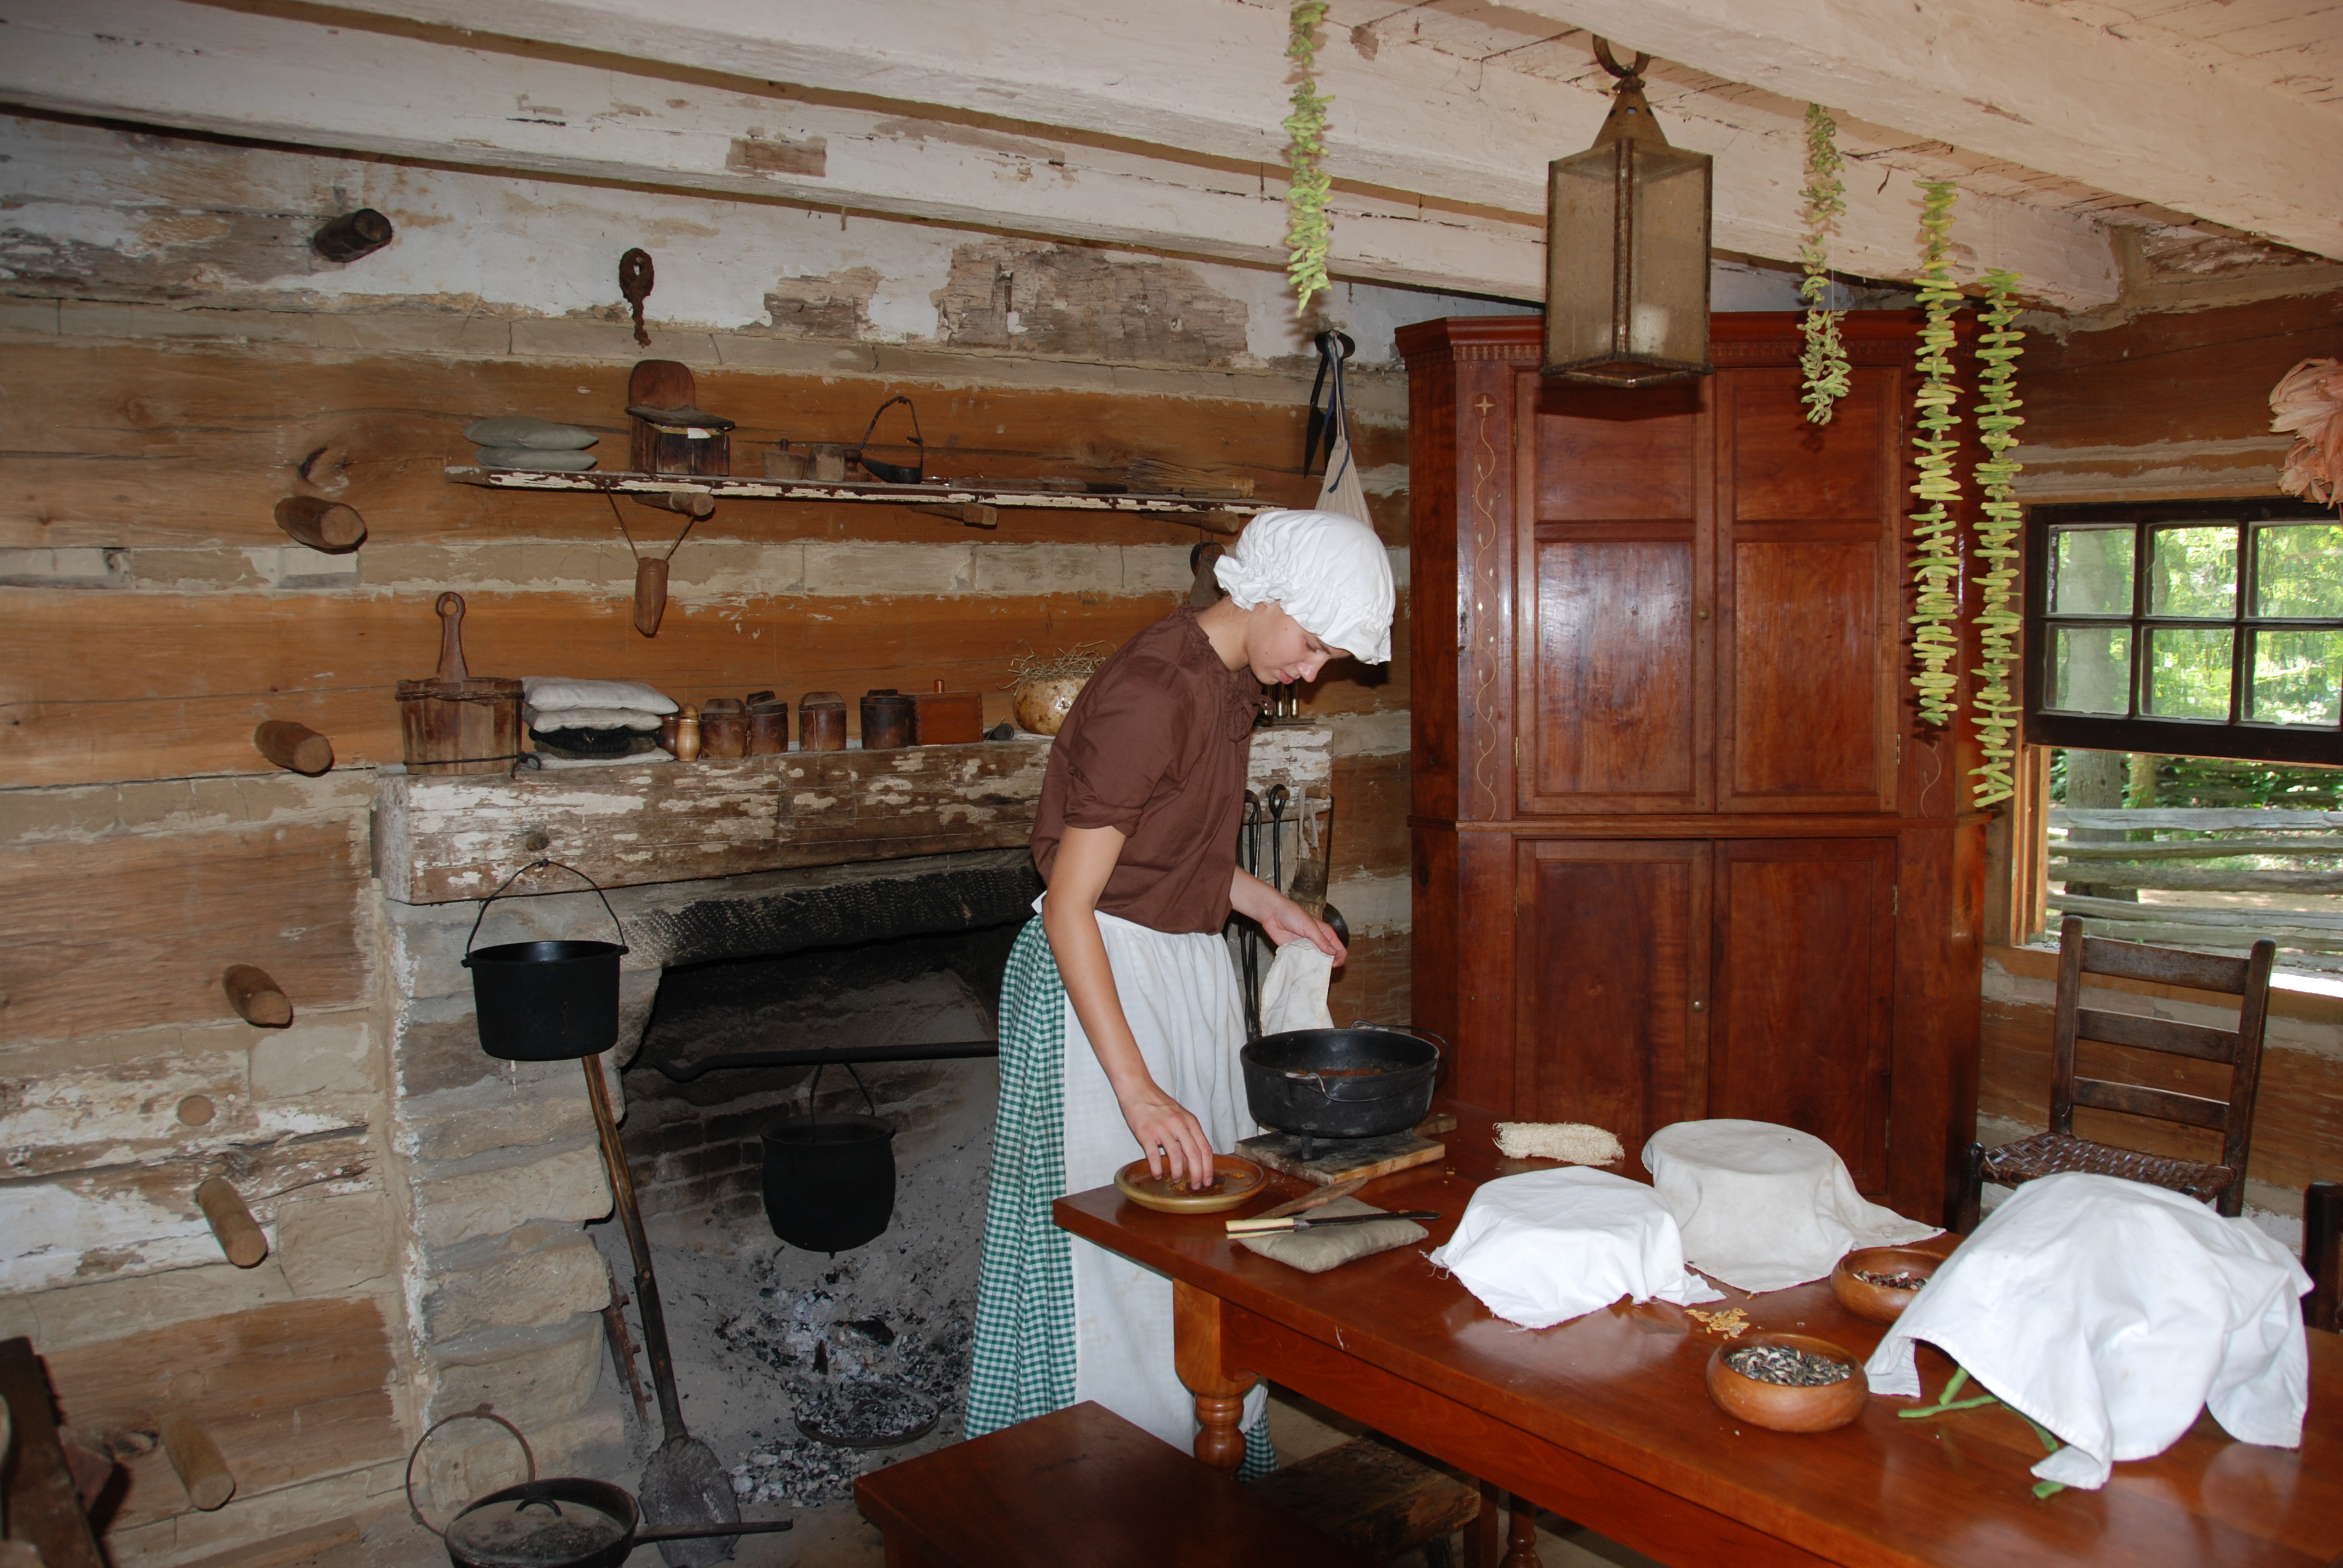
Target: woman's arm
point(1165, 1131)
point(1282, 918)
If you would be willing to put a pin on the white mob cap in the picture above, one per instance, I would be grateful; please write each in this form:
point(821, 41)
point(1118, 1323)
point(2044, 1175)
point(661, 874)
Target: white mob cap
point(1328, 571)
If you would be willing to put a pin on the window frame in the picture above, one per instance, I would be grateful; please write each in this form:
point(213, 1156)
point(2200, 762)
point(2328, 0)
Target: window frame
point(2236, 737)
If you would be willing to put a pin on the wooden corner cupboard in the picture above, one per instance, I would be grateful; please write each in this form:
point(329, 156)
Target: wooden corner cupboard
point(1681, 847)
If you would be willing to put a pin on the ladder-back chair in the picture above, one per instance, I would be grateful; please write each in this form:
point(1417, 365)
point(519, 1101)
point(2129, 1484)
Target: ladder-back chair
point(2058, 1150)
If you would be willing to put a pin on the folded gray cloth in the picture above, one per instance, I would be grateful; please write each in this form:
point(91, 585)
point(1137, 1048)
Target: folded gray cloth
point(523, 430)
point(1316, 1251)
point(588, 718)
point(535, 458)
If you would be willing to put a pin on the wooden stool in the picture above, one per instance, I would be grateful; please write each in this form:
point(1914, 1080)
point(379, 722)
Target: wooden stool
point(1373, 1498)
point(1082, 1488)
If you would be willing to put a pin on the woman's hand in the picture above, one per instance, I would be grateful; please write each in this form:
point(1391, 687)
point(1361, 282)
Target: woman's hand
point(1283, 920)
point(1171, 1137)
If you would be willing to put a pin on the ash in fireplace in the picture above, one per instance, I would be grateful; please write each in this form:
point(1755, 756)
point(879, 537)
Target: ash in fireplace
point(830, 1348)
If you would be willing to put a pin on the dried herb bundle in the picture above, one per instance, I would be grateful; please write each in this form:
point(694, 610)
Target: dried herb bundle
point(1308, 230)
point(1824, 360)
point(1079, 662)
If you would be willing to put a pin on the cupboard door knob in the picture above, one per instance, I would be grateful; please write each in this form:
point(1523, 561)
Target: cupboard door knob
point(1700, 1007)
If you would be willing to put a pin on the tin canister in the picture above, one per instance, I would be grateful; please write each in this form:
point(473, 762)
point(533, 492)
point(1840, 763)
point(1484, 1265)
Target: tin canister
point(886, 719)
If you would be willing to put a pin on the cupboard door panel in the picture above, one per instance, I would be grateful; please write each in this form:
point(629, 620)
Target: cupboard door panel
point(1787, 470)
point(1805, 677)
point(1613, 716)
point(1614, 954)
point(1618, 456)
point(1804, 933)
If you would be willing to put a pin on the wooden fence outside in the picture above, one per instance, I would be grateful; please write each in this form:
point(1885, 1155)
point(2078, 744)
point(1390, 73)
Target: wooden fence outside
point(2294, 857)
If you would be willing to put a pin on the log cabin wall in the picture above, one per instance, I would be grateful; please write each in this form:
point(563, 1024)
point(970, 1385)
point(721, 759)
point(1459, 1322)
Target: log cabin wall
point(177, 361)
point(2165, 396)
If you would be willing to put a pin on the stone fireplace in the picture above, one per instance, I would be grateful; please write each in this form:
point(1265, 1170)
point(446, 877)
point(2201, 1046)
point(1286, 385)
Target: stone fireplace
point(776, 910)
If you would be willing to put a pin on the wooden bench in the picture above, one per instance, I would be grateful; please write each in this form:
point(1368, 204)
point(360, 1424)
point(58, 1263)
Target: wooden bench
point(1081, 1488)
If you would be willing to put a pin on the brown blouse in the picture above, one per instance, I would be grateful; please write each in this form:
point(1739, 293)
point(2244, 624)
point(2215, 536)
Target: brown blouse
point(1156, 746)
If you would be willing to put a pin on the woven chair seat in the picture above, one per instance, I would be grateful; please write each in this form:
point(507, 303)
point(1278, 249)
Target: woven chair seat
point(2050, 1153)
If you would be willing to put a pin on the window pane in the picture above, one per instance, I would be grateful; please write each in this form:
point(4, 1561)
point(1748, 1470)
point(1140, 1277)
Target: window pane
point(2091, 571)
point(2090, 667)
point(2300, 570)
point(2295, 675)
point(2194, 572)
point(2187, 672)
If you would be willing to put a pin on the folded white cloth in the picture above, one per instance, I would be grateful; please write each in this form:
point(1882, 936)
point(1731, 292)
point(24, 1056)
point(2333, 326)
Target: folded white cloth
point(2111, 1312)
point(1293, 994)
point(1765, 1207)
point(534, 458)
point(523, 430)
point(553, 691)
point(544, 761)
point(1550, 1245)
point(589, 717)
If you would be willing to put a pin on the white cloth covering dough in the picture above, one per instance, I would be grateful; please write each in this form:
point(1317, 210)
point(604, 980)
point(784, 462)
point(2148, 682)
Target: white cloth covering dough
point(1550, 1245)
point(1179, 994)
point(2111, 1312)
point(1293, 994)
point(1330, 572)
point(1765, 1207)
point(549, 693)
point(589, 717)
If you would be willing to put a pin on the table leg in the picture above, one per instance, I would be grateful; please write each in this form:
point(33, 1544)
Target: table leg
point(1483, 1543)
point(1520, 1539)
point(1219, 1389)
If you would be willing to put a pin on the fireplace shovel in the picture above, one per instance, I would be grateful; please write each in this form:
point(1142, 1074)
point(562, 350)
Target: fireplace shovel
point(683, 1486)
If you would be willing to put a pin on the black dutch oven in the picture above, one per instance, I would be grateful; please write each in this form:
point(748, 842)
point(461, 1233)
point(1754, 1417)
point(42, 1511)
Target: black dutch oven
point(547, 1000)
point(830, 1180)
point(1358, 1083)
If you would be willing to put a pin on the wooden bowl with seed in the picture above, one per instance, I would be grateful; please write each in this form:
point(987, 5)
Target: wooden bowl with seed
point(1879, 1282)
point(1759, 1380)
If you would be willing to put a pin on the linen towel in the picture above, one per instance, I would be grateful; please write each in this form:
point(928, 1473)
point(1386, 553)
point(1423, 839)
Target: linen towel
point(1552, 1245)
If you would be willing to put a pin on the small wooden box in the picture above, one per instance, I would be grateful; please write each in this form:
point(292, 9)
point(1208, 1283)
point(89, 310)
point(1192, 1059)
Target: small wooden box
point(947, 717)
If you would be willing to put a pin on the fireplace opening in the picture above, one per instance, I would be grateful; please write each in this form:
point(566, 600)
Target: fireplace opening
point(764, 1334)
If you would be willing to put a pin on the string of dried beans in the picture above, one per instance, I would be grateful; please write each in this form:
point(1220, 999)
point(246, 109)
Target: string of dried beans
point(1998, 621)
point(1936, 549)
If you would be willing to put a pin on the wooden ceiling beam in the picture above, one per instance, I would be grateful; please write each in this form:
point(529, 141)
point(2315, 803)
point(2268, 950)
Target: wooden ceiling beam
point(2019, 80)
point(1161, 122)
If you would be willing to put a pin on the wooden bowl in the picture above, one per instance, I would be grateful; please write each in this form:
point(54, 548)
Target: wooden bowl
point(1234, 1181)
point(1878, 1302)
point(1778, 1406)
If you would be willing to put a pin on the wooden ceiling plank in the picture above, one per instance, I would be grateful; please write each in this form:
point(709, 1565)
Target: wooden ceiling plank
point(1477, 152)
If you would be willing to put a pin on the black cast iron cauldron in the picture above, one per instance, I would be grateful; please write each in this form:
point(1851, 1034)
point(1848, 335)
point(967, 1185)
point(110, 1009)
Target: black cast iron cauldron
point(1357, 1082)
point(829, 1180)
point(547, 1000)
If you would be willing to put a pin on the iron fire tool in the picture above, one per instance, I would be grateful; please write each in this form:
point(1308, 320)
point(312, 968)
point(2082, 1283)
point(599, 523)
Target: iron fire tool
point(1270, 1226)
point(1251, 845)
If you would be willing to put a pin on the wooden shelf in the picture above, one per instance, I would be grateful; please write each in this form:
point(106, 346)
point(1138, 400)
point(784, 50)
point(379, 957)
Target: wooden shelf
point(1199, 511)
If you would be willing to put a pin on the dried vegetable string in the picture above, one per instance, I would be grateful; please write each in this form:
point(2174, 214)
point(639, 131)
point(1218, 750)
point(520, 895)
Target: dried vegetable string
point(1308, 229)
point(1936, 549)
point(1998, 617)
point(1947, 1405)
point(1824, 360)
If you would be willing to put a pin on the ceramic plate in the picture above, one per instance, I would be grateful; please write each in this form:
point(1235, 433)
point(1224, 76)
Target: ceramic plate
point(1234, 1181)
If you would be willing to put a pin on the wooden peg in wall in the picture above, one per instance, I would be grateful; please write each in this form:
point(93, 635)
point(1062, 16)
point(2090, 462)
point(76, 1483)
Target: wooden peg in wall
point(294, 747)
point(258, 998)
point(352, 235)
point(201, 1467)
point(975, 514)
point(240, 1236)
point(327, 526)
point(696, 505)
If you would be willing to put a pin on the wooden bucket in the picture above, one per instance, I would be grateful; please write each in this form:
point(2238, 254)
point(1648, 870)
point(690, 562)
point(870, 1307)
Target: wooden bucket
point(455, 722)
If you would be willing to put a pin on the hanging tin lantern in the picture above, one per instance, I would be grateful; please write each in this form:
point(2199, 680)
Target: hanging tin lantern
point(1626, 300)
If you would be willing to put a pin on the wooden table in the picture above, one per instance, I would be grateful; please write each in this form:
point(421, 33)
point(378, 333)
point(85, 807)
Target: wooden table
point(1606, 1421)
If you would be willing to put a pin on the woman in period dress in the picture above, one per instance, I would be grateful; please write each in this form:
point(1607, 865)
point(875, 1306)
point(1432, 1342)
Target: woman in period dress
point(1119, 1018)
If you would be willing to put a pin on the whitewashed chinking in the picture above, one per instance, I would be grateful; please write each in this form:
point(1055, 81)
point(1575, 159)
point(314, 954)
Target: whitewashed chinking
point(1180, 996)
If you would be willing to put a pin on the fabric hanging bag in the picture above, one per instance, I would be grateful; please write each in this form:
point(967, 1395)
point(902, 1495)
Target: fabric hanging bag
point(1341, 491)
